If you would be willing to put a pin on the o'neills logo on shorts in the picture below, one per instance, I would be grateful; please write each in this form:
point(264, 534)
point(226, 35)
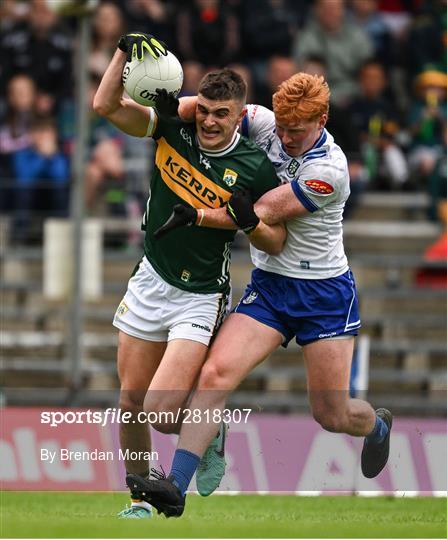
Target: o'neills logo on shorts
point(319, 186)
point(122, 309)
point(250, 298)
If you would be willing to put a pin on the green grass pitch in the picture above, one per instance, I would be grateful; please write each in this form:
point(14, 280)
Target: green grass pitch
point(92, 515)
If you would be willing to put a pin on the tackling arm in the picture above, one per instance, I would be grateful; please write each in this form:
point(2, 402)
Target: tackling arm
point(265, 237)
point(279, 205)
point(187, 108)
point(124, 113)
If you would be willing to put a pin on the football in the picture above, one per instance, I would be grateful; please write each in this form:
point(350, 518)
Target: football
point(141, 79)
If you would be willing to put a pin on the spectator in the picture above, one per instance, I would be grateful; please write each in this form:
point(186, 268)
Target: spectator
point(341, 126)
point(373, 115)
point(427, 124)
point(15, 128)
point(426, 43)
point(208, 33)
point(365, 14)
point(192, 74)
point(41, 48)
point(343, 45)
point(279, 69)
point(149, 16)
point(268, 28)
point(41, 181)
point(108, 26)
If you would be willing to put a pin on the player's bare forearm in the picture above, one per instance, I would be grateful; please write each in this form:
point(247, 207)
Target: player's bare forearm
point(187, 108)
point(279, 205)
point(125, 114)
point(216, 219)
point(269, 238)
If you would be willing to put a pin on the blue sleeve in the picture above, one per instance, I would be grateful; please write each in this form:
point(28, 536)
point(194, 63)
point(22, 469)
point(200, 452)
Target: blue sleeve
point(303, 198)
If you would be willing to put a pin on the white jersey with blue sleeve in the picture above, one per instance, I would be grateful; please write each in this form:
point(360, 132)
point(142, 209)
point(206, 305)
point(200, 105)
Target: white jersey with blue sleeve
point(320, 180)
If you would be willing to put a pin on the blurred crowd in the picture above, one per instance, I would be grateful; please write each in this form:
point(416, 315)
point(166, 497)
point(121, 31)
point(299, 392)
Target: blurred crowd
point(385, 62)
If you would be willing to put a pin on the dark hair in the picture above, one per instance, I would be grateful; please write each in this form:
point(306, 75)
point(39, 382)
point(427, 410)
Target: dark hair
point(223, 84)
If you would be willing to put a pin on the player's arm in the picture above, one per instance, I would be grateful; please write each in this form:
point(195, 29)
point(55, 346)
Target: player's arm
point(238, 214)
point(279, 205)
point(187, 108)
point(125, 114)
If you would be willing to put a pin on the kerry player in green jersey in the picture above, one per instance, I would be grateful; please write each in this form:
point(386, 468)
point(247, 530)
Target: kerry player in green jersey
point(178, 294)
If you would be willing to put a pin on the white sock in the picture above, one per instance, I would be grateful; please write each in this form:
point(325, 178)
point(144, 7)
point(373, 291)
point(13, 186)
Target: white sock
point(142, 504)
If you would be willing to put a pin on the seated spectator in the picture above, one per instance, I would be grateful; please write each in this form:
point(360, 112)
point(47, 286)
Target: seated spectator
point(365, 14)
point(41, 182)
point(108, 26)
point(427, 123)
point(341, 126)
point(279, 69)
point(150, 16)
point(192, 74)
point(426, 43)
point(208, 33)
point(373, 115)
point(104, 174)
point(268, 29)
point(15, 127)
point(344, 46)
point(42, 48)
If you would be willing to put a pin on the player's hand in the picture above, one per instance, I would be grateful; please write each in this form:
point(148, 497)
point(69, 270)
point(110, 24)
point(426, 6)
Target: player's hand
point(181, 216)
point(136, 44)
point(166, 105)
point(240, 209)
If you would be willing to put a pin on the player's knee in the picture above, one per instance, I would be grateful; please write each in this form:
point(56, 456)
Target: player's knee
point(131, 401)
point(213, 376)
point(161, 413)
point(328, 419)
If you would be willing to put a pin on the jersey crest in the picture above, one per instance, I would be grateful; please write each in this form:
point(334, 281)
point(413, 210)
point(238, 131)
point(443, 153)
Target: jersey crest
point(230, 177)
point(292, 167)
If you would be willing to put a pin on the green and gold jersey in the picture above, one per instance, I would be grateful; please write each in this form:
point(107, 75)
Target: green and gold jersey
point(197, 259)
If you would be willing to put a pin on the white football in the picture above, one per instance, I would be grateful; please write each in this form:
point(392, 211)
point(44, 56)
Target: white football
point(141, 79)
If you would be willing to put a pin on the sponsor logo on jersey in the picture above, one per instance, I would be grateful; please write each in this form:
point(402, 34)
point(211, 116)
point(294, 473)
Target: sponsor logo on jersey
point(230, 177)
point(305, 265)
point(186, 274)
point(186, 181)
point(319, 186)
point(292, 167)
point(206, 328)
point(250, 298)
point(122, 309)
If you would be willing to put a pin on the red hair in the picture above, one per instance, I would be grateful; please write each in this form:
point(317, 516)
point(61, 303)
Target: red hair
point(302, 97)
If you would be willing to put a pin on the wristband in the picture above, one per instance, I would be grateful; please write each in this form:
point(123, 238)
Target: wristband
point(202, 215)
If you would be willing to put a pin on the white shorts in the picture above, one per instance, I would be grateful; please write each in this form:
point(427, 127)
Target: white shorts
point(156, 311)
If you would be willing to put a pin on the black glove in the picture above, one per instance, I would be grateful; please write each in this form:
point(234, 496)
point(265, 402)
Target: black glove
point(240, 209)
point(181, 215)
point(166, 105)
point(136, 43)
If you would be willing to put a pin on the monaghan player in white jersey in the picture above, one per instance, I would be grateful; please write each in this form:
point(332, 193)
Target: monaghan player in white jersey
point(307, 292)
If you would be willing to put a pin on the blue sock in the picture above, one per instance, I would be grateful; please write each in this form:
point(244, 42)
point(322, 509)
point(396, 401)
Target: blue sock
point(379, 432)
point(184, 466)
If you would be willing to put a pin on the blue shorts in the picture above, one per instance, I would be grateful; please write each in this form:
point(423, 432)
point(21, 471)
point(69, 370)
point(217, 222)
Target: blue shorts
point(309, 309)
